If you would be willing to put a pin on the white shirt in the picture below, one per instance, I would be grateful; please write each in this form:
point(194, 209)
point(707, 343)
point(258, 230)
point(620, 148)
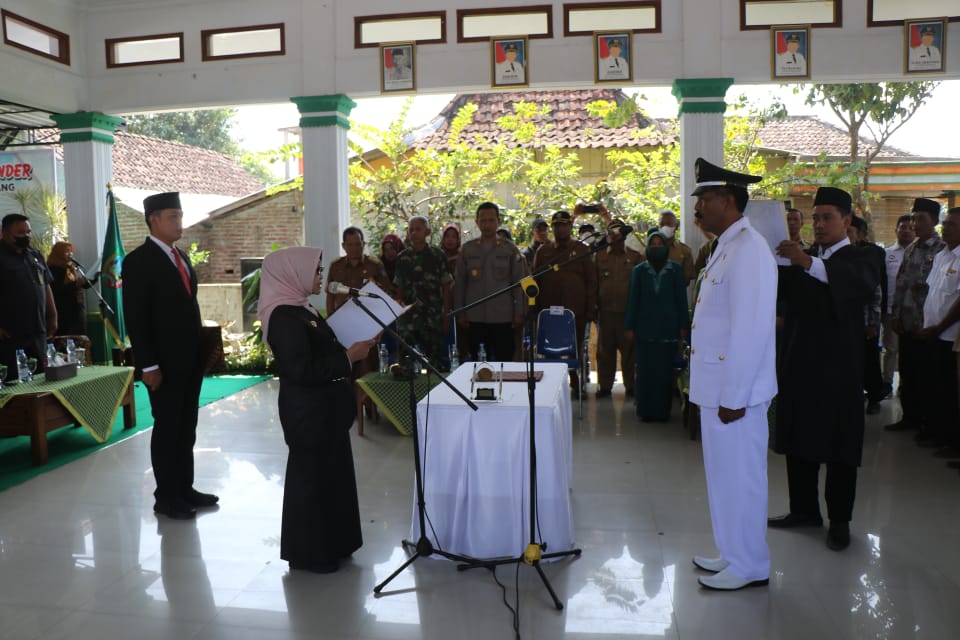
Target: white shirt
point(925, 57)
point(817, 268)
point(894, 260)
point(944, 290)
point(791, 64)
point(614, 69)
point(510, 73)
point(167, 249)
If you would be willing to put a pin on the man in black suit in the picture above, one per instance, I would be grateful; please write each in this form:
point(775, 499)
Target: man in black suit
point(163, 320)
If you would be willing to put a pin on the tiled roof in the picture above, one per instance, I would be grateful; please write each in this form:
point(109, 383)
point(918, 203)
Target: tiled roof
point(571, 127)
point(160, 165)
point(155, 165)
point(808, 136)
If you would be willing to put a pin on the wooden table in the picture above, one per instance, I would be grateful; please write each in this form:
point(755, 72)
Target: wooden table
point(91, 400)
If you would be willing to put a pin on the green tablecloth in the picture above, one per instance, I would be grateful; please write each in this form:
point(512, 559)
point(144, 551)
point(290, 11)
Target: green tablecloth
point(92, 397)
point(392, 396)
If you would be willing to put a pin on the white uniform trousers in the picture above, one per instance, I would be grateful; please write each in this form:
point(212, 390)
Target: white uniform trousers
point(735, 460)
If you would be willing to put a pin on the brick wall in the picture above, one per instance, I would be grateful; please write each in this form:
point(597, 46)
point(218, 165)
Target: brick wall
point(133, 228)
point(250, 231)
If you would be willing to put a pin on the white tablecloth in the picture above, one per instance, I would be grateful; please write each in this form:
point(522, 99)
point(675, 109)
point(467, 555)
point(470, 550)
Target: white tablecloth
point(476, 466)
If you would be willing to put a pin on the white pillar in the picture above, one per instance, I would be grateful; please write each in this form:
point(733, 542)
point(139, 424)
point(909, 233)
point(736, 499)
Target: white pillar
point(326, 180)
point(87, 139)
point(702, 107)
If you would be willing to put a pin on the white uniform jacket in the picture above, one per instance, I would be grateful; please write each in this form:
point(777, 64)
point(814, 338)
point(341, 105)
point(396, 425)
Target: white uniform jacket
point(733, 333)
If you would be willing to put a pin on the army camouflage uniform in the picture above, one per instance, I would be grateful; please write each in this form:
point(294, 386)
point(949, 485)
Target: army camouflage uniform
point(422, 278)
point(908, 298)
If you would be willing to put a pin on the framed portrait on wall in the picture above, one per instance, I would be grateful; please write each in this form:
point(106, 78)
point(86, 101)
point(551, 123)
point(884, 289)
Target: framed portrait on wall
point(509, 62)
point(790, 52)
point(612, 57)
point(398, 67)
point(924, 45)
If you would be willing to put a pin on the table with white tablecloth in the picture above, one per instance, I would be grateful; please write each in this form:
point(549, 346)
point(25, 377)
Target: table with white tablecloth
point(476, 465)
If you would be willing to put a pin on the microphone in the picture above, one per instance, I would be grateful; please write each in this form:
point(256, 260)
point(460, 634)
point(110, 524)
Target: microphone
point(337, 288)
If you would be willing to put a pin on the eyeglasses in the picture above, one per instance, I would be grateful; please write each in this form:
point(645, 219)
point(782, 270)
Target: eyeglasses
point(320, 270)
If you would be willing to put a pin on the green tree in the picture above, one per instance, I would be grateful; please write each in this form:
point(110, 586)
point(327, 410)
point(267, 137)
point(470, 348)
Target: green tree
point(205, 128)
point(880, 108)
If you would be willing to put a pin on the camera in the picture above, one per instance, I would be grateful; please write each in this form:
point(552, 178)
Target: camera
point(590, 208)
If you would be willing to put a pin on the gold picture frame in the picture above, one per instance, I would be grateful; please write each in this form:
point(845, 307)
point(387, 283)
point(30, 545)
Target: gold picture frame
point(509, 61)
point(398, 67)
point(790, 52)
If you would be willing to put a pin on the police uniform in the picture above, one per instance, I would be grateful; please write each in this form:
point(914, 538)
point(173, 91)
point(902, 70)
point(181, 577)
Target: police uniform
point(613, 278)
point(682, 255)
point(732, 365)
point(484, 268)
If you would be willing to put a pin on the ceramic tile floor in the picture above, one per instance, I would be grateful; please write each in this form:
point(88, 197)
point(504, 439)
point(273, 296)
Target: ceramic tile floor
point(83, 557)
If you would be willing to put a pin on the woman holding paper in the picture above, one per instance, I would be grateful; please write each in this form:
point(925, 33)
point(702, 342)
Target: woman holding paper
point(321, 517)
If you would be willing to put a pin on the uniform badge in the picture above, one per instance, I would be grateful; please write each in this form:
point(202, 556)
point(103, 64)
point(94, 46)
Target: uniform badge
point(313, 323)
point(474, 272)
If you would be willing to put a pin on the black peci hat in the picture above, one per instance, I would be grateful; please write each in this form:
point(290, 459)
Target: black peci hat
point(833, 196)
point(926, 205)
point(562, 216)
point(161, 201)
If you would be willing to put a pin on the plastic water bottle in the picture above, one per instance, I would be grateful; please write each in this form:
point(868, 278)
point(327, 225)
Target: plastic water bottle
point(71, 351)
point(482, 353)
point(384, 359)
point(51, 355)
point(454, 357)
point(23, 372)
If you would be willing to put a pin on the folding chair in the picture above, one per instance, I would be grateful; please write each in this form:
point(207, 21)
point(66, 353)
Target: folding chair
point(557, 342)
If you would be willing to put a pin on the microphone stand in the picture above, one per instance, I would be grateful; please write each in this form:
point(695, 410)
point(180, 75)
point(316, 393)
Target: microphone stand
point(533, 554)
point(422, 547)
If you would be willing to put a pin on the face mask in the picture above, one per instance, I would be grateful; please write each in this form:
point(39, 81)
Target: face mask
point(22, 242)
point(657, 255)
point(667, 231)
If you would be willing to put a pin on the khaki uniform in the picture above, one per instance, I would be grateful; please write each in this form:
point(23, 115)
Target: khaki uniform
point(355, 276)
point(483, 269)
point(683, 255)
point(574, 286)
point(613, 278)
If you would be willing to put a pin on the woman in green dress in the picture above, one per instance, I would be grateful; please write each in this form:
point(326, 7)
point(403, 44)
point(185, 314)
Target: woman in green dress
point(657, 319)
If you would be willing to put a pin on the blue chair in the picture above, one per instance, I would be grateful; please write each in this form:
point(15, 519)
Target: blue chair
point(557, 342)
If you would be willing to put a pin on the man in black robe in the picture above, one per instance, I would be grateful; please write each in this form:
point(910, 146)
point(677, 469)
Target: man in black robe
point(824, 290)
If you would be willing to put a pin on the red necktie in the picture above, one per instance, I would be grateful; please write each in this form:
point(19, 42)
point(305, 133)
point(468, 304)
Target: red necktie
point(183, 270)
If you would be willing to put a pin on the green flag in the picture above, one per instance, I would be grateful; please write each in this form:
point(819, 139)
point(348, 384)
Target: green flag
point(111, 282)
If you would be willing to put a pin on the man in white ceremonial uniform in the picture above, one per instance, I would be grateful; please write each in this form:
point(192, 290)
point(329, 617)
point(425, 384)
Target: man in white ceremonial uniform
point(733, 378)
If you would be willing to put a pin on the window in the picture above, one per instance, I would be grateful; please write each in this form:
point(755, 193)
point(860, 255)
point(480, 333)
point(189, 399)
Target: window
point(763, 14)
point(583, 18)
point(31, 36)
point(883, 13)
point(243, 42)
point(139, 50)
point(428, 27)
point(479, 25)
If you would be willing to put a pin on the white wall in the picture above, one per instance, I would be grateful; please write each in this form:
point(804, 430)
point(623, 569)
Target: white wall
point(700, 38)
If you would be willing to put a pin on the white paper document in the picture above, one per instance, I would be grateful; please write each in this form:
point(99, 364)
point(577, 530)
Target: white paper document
point(351, 324)
point(769, 218)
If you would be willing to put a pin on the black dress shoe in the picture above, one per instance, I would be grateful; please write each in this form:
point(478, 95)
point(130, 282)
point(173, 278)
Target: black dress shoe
point(603, 393)
point(792, 520)
point(175, 509)
point(838, 536)
point(316, 567)
point(629, 393)
point(198, 499)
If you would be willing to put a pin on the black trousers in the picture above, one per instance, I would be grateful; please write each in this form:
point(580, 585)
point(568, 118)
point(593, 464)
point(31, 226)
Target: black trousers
point(940, 383)
point(497, 339)
point(840, 488)
point(175, 405)
point(873, 382)
point(911, 367)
